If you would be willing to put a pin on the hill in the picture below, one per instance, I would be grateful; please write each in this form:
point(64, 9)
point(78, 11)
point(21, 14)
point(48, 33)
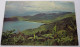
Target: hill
point(42, 17)
point(57, 30)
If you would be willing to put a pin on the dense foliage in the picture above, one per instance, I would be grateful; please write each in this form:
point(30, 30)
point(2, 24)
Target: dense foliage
point(60, 32)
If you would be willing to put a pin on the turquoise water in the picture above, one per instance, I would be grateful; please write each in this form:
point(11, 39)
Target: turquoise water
point(20, 25)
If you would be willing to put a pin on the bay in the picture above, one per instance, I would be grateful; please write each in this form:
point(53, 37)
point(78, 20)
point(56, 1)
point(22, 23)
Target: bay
point(20, 25)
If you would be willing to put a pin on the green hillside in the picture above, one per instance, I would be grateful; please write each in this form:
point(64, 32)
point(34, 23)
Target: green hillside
point(61, 30)
point(46, 18)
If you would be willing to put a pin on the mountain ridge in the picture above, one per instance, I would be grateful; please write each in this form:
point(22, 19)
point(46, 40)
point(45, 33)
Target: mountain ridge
point(39, 17)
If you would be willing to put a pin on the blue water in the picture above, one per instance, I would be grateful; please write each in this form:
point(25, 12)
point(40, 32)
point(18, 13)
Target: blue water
point(20, 25)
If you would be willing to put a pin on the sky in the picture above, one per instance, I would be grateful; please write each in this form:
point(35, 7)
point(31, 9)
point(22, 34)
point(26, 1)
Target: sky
point(29, 8)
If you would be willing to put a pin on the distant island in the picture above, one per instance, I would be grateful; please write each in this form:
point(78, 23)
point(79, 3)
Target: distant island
point(11, 19)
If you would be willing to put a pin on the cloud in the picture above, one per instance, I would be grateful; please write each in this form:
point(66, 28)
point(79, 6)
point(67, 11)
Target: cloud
point(36, 5)
point(26, 7)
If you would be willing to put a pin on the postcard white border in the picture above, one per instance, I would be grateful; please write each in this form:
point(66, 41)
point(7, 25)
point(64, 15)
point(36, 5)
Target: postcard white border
point(77, 11)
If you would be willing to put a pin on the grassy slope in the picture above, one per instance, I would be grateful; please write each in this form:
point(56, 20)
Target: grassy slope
point(48, 22)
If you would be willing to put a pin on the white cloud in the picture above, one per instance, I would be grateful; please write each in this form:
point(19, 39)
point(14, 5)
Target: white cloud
point(39, 6)
point(36, 5)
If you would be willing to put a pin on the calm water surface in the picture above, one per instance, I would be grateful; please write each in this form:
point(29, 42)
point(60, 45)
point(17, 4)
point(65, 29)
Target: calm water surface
point(20, 25)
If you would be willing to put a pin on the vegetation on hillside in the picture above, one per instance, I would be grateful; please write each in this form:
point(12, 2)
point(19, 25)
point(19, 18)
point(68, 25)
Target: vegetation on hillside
point(60, 31)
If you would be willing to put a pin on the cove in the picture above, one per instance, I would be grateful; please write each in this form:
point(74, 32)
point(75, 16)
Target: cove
point(20, 25)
